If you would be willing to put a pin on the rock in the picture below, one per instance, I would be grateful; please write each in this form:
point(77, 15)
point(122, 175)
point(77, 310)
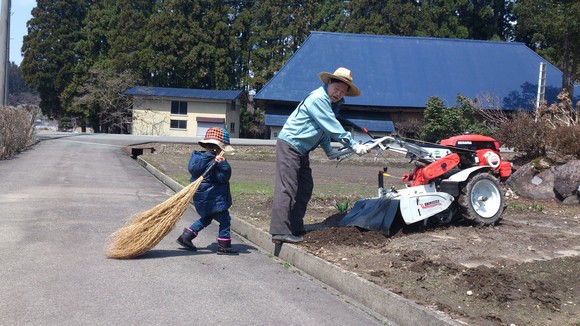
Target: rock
point(543, 164)
point(567, 179)
point(572, 200)
point(559, 182)
point(509, 193)
point(526, 183)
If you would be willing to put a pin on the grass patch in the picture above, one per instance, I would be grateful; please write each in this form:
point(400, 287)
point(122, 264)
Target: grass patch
point(342, 206)
point(251, 188)
point(517, 207)
point(321, 192)
point(183, 179)
point(341, 198)
point(326, 191)
point(536, 207)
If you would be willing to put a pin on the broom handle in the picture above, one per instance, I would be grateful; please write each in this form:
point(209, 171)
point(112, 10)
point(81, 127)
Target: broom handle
point(210, 167)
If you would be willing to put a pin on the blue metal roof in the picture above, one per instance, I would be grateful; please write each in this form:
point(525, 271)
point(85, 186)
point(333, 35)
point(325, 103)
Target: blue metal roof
point(184, 93)
point(394, 71)
point(372, 121)
point(276, 117)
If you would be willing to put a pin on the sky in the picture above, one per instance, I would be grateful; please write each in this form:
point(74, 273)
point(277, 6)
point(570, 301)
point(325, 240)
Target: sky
point(21, 13)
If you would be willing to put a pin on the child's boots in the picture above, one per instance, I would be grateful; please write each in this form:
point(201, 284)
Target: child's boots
point(225, 247)
point(185, 239)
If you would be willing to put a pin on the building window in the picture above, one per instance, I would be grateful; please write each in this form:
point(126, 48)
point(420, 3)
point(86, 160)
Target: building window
point(178, 124)
point(179, 107)
point(232, 127)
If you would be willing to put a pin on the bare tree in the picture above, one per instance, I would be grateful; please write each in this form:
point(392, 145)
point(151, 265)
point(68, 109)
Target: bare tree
point(487, 106)
point(103, 93)
point(562, 114)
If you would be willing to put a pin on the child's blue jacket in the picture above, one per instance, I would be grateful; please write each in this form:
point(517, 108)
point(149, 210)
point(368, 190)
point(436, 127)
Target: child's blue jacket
point(213, 195)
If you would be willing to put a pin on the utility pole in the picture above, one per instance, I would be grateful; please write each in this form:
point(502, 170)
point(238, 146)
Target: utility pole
point(4, 51)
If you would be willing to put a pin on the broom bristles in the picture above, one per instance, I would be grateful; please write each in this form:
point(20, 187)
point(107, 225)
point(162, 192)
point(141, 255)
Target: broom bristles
point(145, 230)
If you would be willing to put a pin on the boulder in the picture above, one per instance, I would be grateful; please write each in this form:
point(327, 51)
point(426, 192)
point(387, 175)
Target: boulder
point(567, 179)
point(572, 200)
point(559, 182)
point(526, 183)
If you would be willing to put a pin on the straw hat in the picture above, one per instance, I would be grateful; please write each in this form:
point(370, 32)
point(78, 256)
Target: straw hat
point(344, 75)
point(219, 137)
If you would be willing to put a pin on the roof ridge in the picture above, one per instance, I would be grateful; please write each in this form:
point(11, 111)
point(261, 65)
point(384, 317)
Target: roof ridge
point(419, 37)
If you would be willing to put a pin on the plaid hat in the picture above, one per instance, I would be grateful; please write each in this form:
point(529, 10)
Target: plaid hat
point(218, 136)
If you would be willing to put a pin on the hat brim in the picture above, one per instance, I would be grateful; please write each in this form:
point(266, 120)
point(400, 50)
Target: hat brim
point(224, 147)
point(352, 91)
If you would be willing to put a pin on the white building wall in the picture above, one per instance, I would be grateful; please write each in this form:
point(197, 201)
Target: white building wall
point(153, 116)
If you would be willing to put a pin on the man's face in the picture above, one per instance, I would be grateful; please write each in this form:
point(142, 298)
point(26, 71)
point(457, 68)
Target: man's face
point(337, 90)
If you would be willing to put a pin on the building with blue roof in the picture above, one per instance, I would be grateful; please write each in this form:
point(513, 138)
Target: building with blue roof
point(185, 112)
point(397, 75)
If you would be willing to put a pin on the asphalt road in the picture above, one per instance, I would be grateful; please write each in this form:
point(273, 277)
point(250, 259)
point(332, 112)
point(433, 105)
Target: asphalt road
point(60, 200)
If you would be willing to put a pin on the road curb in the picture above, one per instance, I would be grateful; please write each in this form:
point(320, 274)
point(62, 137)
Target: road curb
point(375, 298)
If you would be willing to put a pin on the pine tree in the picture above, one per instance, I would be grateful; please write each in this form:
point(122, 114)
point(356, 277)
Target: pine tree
point(552, 29)
point(279, 28)
point(50, 53)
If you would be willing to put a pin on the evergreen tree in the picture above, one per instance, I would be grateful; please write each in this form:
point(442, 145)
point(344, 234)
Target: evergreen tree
point(190, 44)
point(391, 17)
point(112, 40)
point(478, 19)
point(442, 122)
point(50, 49)
point(552, 29)
point(16, 84)
point(240, 29)
point(19, 93)
point(439, 18)
point(279, 28)
point(329, 16)
point(487, 19)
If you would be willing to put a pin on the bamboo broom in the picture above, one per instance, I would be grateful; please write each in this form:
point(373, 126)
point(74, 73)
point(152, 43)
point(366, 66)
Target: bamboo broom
point(145, 230)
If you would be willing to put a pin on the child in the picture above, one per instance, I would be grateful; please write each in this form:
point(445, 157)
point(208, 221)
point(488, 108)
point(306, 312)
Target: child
point(213, 198)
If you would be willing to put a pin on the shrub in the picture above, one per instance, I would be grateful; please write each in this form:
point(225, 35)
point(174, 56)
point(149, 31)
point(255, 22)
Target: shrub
point(16, 128)
point(564, 141)
point(523, 134)
point(409, 128)
point(442, 122)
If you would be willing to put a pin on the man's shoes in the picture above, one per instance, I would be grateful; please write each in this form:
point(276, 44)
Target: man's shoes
point(279, 238)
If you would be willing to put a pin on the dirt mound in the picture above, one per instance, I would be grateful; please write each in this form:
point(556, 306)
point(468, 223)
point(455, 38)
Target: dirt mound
point(429, 267)
point(346, 236)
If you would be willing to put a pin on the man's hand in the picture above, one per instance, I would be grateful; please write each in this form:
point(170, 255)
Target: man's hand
point(332, 155)
point(360, 149)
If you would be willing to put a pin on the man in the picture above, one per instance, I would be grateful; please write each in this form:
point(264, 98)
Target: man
point(313, 123)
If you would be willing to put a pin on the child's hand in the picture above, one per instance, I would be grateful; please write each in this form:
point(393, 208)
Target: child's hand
point(219, 159)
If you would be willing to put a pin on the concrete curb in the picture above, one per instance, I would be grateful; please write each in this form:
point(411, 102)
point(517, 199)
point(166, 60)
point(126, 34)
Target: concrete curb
point(375, 298)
